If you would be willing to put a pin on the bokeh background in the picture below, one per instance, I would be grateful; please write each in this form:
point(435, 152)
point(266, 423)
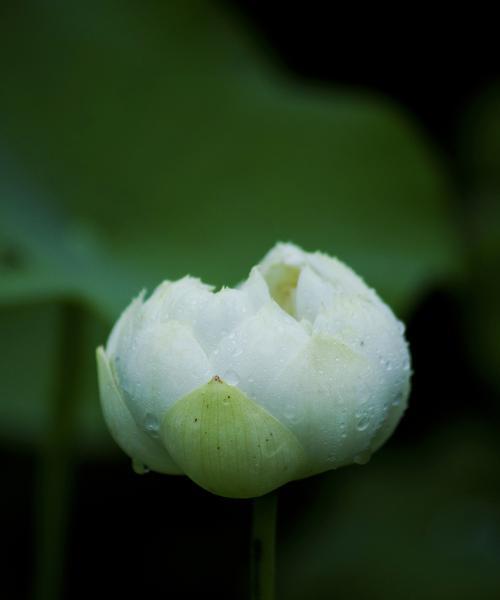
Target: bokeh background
point(143, 141)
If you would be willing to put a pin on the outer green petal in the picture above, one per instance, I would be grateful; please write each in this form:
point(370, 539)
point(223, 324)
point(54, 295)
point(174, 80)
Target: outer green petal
point(137, 444)
point(228, 444)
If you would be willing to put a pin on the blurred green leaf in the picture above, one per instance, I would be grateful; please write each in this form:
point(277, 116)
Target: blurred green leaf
point(146, 141)
point(161, 128)
point(412, 525)
point(479, 154)
point(46, 255)
point(29, 347)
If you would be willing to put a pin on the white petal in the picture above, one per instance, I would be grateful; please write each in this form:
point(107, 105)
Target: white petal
point(373, 332)
point(162, 363)
point(179, 300)
point(397, 406)
point(339, 274)
point(219, 315)
point(286, 254)
point(253, 355)
point(313, 295)
point(132, 440)
point(153, 306)
point(126, 325)
point(332, 399)
point(256, 288)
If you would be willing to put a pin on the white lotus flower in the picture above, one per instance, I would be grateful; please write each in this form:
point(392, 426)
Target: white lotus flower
point(300, 369)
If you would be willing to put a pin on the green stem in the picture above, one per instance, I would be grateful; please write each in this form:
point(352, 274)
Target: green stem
point(263, 549)
point(55, 461)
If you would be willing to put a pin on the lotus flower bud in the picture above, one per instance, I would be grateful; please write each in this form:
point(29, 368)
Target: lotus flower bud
point(300, 369)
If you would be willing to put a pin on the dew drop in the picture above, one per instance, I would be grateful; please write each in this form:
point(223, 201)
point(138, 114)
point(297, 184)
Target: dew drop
point(231, 377)
point(397, 399)
point(362, 458)
point(151, 424)
point(362, 422)
point(290, 414)
point(139, 467)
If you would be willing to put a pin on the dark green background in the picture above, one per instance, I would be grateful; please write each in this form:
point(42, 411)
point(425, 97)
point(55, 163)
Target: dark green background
point(143, 141)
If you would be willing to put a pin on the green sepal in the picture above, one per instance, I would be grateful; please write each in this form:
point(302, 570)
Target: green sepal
point(228, 444)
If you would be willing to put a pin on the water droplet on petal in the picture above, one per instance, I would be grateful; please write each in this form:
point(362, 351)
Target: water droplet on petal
point(331, 458)
point(139, 467)
point(397, 400)
point(151, 424)
point(291, 414)
point(231, 377)
point(362, 422)
point(362, 458)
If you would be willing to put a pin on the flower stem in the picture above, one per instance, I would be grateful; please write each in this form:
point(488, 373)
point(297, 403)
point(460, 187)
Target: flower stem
point(54, 472)
point(263, 549)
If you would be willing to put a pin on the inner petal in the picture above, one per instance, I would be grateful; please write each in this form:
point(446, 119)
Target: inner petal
point(313, 295)
point(282, 282)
